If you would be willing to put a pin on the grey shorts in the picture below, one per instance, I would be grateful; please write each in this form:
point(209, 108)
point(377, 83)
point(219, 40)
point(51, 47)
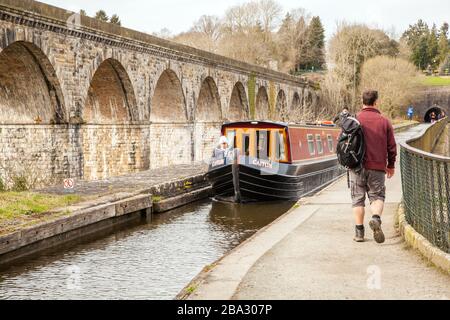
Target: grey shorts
point(370, 182)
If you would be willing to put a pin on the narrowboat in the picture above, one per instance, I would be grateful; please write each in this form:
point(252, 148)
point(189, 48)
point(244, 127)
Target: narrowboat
point(270, 161)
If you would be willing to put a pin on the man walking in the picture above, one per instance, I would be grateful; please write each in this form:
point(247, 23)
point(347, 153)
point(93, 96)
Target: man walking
point(379, 162)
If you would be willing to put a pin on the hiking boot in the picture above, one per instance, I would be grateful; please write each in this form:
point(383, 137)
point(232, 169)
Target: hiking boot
point(375, 225)
point(359, 235)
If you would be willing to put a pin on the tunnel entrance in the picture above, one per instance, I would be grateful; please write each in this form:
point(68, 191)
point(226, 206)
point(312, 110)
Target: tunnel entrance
point(435, 112)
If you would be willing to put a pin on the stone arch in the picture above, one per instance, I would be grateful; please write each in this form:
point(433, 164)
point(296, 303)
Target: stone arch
point(208, 103)
point(262, 104)
point(308, 106)
point(281, 106)
point(111, 147)
point(437, 110)
point(168, 103)
point(110, 98)
point(296, 107)
point(171, 135)
point(30, 91)
point(208, 119)
point(238, 107)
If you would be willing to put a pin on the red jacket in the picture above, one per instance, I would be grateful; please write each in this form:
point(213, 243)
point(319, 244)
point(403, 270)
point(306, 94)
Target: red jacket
point(381, 149)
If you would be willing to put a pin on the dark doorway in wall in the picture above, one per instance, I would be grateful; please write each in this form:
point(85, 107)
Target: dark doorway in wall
point(439, 113)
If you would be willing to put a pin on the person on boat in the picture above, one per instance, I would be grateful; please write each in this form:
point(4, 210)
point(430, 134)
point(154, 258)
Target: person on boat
point(343, 114)
point(378, 162)
point(222, 151)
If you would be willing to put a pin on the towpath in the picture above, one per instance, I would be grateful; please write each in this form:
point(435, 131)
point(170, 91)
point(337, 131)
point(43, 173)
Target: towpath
point(309, 254)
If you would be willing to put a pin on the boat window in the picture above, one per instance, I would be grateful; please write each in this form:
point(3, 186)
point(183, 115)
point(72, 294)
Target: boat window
point(280, 147)
point(231, 135)
point(319, 143)
point(246, 144)
point(330, 143)
point(263, 143)
point(311, 146)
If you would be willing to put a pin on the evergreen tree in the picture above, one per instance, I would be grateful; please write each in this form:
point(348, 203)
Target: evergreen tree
point(101, 15)
point(433, 47)
point(315, 45)
point(83, 12)
point(415, 32)
point(444, 49)
point(115, 19)
point(418, 37)
point(420, 53)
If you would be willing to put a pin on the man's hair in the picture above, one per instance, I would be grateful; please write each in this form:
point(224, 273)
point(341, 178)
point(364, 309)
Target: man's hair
point(370, 97)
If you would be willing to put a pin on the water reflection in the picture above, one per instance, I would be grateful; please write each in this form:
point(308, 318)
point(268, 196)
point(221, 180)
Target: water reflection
point(139, 260)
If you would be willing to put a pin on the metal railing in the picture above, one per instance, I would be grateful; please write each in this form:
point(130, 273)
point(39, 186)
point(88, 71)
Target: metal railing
point(425, 183)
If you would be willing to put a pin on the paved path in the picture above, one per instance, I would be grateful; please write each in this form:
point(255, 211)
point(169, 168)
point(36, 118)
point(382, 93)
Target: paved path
point(131, 182)
point(309, 254)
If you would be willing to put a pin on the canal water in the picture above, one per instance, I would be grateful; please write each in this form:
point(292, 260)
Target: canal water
point(139, 259)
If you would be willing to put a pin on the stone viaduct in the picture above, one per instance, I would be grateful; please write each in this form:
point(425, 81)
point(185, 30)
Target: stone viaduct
point(86, 99)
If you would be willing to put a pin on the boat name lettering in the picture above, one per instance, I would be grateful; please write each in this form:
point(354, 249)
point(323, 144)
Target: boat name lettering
point(261, 163)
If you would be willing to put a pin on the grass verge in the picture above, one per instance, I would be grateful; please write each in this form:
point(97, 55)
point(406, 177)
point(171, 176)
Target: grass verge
point(18, 209)
point(436, 81)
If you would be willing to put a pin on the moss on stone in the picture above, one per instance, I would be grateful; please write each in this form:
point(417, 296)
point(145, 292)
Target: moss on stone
point(252, 95)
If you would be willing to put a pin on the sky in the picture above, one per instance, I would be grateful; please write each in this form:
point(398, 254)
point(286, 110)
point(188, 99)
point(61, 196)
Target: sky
point(178, 15)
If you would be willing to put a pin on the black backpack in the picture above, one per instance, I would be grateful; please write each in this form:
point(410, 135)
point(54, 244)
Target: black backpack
point(351, 147)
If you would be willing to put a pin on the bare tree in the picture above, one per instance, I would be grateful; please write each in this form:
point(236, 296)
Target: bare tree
point(395, 79)
point(291, 38)
point(163, 33)
point(269, 16)
point(350, 47)
point(209, 26)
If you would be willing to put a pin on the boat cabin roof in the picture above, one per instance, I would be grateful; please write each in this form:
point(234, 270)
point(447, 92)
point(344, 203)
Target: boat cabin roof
point(271, 124)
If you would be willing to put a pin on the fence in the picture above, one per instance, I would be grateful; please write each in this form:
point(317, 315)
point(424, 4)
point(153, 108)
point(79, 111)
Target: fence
point(425, 182)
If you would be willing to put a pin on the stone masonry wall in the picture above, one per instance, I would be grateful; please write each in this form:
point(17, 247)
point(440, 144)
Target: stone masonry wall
point(93, 100)
point(39, 153)
point(170, 144)
point(112, 150)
